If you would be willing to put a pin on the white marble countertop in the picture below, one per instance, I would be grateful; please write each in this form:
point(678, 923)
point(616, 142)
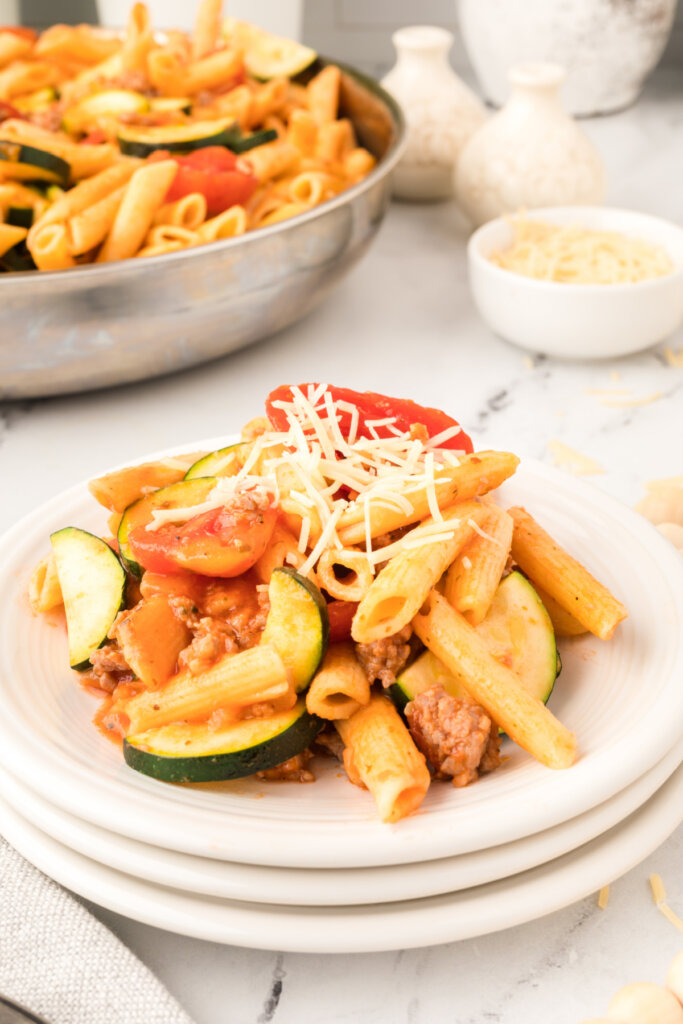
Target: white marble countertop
point(403, 323)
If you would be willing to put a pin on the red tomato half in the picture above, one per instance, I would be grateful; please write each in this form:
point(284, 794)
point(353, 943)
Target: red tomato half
point(7, 111)
point(223, 542)
point(223, 178)
point(372, 406)
point(95, 138)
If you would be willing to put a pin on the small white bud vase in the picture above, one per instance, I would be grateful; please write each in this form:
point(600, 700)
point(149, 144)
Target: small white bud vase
point(531, 153)
point(441, 112)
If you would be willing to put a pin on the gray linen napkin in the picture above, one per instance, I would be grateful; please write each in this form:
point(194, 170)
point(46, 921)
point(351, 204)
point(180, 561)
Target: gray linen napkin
point(60, 962)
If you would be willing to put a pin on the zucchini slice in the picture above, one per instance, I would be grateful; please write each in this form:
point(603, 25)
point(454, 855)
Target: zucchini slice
point(93, 582)
point(182, 138)
point(36, 101)
point(87, 112)
point(266, 55)
point(135, 141)
point(19, 216)
point(297, 626)
point(27, 163)
point(180, 495)
point(198, 753)
point(224, 462)
point(17, 259)
point(168, 104)
point(517, 629)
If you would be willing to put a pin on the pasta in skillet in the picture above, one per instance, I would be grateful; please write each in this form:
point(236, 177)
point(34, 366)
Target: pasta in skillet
point(339, 578)
point(246, 128)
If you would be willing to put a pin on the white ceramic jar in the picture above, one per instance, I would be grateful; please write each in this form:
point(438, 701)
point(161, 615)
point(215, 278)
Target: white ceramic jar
point(529, 154)
point(441, 112)
point(607, 46)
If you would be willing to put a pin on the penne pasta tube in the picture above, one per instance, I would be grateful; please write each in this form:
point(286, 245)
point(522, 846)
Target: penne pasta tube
point(86, 161)
point(139, 40)
point(402, 586)
point(273, 159)
point(210, 72)
point(120, 488)
point(284, 212)
point(159, 250)
point(207, 28)
point(44, 591)
point(229, 224)
point(322, 94)
point(472, 580)
point(358, 163)
point(76, 43)
point(89, 192)
point(308, 188)
point(166, 70)
point(340, 687)
point(235, 103)
point(335, 140)
point(379, 753)
point(24, 76)
point(88, 229)
point(13, 47)
point(165, 233)
point(303, 131)
point(266, 99)
point(236, 681)
point(357, 576)
point(188, 212)
point(524, 718)
point(565, 579)
point(475, 475)
point(50, 248)
point(144, 196)
point(10, 236)
point(563, 622)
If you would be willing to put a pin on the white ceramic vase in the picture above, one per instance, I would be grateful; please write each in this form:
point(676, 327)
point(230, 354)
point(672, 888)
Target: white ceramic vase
point(607, 46)
point(529, 154)
point(441, 112)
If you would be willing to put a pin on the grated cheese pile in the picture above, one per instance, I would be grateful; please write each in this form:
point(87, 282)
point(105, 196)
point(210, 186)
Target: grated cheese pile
point(379, 472)
point(569, 254)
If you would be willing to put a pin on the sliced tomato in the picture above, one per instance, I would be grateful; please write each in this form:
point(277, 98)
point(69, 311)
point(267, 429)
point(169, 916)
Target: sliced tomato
point(94, 138)
point(222, 177)
point(371, 407)
point(223, 542)
point(340, 614)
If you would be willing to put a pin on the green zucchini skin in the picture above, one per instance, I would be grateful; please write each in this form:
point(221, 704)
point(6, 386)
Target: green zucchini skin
point(184, 139)
point(298, 626)
point(228, 764)
point(93, 584)
point(538, 661)
point(109, 101)
point(47, 166)
point(213, 464)
point(19, 216)
point(180, 495)
point(17, 259)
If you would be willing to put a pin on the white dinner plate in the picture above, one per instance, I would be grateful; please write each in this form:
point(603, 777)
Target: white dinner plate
point(623, 699)
point(254, 883)
point(385, 926)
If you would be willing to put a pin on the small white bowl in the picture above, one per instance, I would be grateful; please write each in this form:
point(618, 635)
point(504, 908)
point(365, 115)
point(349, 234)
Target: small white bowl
point(578, 321)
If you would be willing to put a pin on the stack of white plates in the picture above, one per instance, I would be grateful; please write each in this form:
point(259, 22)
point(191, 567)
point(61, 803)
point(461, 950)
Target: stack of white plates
point(308, 868)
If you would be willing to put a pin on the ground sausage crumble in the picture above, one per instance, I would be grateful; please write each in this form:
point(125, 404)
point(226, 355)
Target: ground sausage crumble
point(384, 659)
point(457, 737)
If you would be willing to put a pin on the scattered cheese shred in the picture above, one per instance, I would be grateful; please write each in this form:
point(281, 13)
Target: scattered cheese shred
point(601, 392)
point(603, 897)
point(570, 254)
point(575, 462)
point(674, 359)
point(659, 896)
point(631, 402)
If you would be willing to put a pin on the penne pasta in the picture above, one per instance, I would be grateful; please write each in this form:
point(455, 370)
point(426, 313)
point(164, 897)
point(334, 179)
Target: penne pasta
point(236, 681)
point(144, 196)
point(340, 686)
point(474, 476)
point(13, 47)
point(188, 212)
point(165, 233)
point(206, 28)
point(473, 579)
point(89, 229)
point(565, 579)
point(229, 224)
point(49, 248)
point(356, 578)
point(525, 719)
point(88, 193)
point(10, 236)
point(379, 754)
point(403, 585)
point(563, 621)
point(44, 591)
point(322, 94)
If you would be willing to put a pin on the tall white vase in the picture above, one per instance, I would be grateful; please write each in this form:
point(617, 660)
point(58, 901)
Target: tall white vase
point(441, 112)
point(529, 154)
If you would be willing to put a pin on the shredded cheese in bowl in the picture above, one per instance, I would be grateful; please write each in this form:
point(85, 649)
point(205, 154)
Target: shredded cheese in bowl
point(571, 254)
